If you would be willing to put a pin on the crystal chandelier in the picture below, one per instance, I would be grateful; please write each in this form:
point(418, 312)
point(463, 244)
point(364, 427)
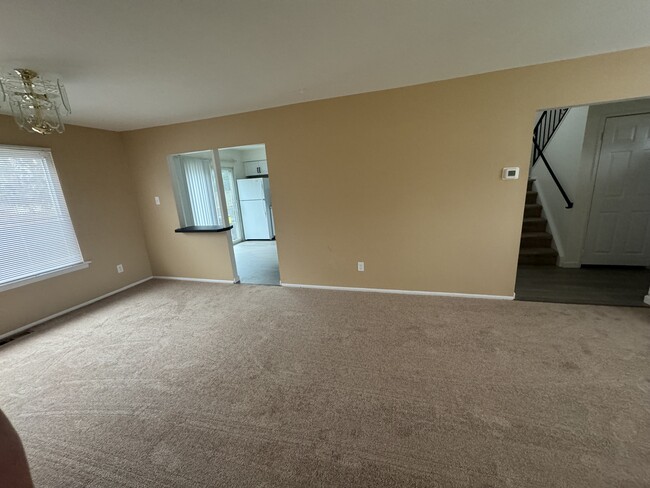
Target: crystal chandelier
point(36, 102)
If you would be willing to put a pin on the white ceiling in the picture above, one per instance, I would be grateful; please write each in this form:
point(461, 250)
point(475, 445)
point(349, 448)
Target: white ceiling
point(137, 63)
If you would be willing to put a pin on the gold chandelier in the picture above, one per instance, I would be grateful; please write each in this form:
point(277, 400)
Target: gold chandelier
point(36, 101)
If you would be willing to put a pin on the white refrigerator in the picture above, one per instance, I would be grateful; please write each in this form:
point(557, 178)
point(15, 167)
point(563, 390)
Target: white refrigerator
point(256, 210)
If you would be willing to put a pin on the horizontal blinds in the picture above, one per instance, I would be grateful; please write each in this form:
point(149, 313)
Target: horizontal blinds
point(36, 234)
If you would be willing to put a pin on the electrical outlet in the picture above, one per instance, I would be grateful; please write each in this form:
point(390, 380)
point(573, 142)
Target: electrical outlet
point(120, 268)
point(157, 200)
point(361, 266)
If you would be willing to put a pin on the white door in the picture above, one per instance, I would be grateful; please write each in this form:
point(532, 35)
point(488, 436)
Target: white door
point(618, 232)
point(255, 219)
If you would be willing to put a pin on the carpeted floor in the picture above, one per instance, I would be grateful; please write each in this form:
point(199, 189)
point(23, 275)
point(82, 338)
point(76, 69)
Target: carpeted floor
point(176, 384)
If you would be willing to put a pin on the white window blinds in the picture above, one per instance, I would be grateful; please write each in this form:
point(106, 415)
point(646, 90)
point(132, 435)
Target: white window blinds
point(202, 190)
point(36, 234)
point(195, 188)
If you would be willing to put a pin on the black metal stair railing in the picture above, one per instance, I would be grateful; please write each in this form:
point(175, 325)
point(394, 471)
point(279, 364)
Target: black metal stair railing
point(545, 128)
point(542, 134)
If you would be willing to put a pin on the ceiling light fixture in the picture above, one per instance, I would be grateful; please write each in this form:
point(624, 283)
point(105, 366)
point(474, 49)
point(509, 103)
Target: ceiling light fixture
point(36, 102)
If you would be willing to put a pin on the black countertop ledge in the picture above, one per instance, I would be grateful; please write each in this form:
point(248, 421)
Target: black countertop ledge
point(204, 228)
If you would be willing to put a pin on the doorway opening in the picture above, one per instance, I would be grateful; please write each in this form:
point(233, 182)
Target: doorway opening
point(586, 228)
point(247, 189)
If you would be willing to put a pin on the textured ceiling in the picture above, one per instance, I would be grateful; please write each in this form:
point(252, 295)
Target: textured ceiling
point(138, 63)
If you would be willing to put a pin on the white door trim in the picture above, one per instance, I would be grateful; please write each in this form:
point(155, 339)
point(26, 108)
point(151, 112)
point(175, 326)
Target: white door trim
point(224, 212)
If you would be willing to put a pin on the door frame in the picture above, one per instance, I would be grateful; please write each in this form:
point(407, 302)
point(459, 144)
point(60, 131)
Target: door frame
point(237, 206)
point(223, 204)
point(222, 197)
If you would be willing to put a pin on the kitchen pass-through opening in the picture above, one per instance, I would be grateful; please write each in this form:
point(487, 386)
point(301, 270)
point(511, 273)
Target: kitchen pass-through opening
point(249, 202)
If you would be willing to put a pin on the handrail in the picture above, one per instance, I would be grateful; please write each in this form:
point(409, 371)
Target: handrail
point(550, 170)
point(545, 128)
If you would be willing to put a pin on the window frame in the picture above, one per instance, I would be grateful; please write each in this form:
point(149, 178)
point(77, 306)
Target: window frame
point(181, 190)
point(44, 275)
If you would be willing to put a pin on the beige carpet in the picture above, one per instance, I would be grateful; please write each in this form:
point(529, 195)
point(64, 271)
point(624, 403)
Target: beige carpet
point(186, 384)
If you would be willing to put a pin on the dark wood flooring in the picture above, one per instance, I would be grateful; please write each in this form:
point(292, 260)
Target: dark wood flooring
point(596, 285)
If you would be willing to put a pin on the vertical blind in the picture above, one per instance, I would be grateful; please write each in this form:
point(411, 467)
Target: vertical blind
point(36, 234)
point(200, 190)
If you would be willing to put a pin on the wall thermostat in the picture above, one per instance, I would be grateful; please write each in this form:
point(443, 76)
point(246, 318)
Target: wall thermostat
point(510, 174)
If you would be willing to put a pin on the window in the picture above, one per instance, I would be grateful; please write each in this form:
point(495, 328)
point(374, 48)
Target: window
point(37, 239)
point(195, 188)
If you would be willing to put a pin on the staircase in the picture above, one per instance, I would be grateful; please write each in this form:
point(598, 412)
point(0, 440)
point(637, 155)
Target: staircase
point(535, 246)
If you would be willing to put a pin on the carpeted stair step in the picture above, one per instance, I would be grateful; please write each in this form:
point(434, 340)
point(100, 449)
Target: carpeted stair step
point(535, 247)
point(532, 210)
point(530, 184)
point(534, 224)
point(538, 256)
point(535, 239)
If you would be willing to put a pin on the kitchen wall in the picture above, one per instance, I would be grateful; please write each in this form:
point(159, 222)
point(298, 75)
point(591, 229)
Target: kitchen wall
point(99, 192)
point(235, 158)
point(255, 154)
point(407, 180)
point(232, 158)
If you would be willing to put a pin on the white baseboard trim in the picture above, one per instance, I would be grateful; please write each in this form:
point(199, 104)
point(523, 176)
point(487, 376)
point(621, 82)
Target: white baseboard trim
point(71, 309)
point(201, 280)
point(568, 264)
point(402, 292)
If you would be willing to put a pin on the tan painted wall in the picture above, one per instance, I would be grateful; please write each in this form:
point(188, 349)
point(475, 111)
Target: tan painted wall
point(407, 180)
point(100, 196)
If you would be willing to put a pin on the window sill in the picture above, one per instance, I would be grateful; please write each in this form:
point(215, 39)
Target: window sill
point(44, 276)
point(204, 228)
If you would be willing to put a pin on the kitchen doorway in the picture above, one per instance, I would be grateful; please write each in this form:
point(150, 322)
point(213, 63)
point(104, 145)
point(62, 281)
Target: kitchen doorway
point(250, 211)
